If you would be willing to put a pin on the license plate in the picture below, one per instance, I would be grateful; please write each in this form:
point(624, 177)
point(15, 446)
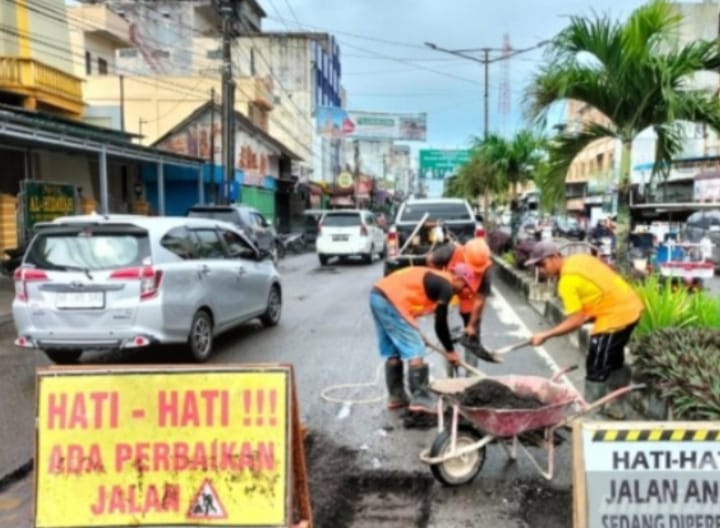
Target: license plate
point(79, 300)
point(340, 238)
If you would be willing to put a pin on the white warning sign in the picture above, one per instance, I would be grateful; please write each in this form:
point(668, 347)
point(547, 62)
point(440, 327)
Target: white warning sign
point(206, 504)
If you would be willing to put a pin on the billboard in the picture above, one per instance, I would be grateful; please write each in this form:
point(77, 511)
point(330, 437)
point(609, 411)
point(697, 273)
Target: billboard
point(440, 164)
point(337, 122)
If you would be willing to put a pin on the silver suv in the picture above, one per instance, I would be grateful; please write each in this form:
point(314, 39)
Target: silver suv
point(121, 282)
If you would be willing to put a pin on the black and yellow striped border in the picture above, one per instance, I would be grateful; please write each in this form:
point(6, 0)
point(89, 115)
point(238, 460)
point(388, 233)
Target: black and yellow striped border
point(656, 435)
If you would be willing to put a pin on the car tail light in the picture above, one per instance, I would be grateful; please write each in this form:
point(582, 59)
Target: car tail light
point(392, 242)
point(148, 276)
point(363, 230)
point(24, 275)
point(479, 231)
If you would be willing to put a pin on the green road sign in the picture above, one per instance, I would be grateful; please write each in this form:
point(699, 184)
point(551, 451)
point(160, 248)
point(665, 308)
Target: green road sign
point(437, 164)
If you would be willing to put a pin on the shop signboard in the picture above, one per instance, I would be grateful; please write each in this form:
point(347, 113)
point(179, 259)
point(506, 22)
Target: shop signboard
point(45, 201)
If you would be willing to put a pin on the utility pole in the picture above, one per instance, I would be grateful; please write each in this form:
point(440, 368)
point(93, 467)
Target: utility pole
point(122, 102)
point(486, 60)
point(228, 97)
point(213, 183)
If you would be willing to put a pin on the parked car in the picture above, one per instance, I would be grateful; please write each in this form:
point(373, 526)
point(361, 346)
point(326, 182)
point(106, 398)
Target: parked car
point(447, 219)
point(248, 219)
point(705, 225)
point(347, 233)
point(567, 227)
point(123, 282)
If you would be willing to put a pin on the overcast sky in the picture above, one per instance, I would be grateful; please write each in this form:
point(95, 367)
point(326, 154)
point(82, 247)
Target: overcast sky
point(381, 76)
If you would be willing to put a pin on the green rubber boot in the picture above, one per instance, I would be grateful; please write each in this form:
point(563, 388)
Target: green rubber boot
point(394, 379)
point(421, 400)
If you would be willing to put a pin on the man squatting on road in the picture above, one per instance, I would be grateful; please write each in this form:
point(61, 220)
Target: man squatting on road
point(396, 301)
point(591, 290)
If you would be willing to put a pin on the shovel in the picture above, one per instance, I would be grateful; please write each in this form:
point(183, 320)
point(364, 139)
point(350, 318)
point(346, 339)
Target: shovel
point(493, 356)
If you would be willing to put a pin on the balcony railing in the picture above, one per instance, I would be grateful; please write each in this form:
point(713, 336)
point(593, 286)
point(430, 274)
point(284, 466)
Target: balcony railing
point(50, 86)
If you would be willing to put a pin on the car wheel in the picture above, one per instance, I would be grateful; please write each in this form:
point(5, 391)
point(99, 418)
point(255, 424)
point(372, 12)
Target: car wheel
point(323, 260)
point(63, 357)
point(200, 340)
point(271, 317)
point(367, 258)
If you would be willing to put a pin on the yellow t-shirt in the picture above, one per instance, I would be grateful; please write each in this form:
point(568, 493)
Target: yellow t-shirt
point(587, 284)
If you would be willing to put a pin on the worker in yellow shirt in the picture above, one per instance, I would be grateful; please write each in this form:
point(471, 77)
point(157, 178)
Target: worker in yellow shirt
point(591, 291)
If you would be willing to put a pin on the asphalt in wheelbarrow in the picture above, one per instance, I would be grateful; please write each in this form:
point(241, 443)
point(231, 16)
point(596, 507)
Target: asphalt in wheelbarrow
point(491, 393)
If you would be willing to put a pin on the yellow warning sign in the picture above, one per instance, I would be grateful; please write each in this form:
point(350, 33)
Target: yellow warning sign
point(160, 447)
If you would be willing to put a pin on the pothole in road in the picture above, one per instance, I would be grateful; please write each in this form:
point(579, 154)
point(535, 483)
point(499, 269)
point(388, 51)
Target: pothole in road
point(344, 496)
point(544, 507)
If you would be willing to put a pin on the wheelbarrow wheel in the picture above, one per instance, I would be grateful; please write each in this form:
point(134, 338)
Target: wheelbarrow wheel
point(462, 469)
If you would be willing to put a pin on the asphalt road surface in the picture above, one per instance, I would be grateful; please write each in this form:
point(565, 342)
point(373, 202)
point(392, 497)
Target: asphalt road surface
point(363, 459)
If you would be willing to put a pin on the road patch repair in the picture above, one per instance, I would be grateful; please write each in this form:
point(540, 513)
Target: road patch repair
point(344, 495)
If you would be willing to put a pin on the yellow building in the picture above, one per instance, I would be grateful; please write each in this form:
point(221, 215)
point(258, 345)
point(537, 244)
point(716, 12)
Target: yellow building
point(593, 169)
point(35, 58)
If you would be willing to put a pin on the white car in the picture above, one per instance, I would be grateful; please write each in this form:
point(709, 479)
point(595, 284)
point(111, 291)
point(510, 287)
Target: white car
point(348, 233)
point(123, 281)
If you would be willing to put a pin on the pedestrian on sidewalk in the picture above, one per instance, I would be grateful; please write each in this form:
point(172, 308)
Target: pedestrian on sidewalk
point(591, 291)
point(475, 253)
point(396, 302)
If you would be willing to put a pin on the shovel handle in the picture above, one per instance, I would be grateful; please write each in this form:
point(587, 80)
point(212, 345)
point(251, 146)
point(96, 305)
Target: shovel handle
point(510, 348)
point(462, 363)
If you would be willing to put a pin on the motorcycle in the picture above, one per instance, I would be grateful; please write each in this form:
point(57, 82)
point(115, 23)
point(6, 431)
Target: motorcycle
point(290, 242)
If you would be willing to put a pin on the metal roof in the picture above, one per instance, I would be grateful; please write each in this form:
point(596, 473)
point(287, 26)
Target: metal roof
point(48, 129)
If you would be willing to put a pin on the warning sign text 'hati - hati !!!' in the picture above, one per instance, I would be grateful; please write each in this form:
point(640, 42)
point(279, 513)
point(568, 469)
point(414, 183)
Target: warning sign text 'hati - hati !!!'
point(162, 448)
point(652, 477)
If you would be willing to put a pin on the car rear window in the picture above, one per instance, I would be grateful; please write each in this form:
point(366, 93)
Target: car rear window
point(341, 220)
point(221, 215)
point(438, 211)
point(88, 249)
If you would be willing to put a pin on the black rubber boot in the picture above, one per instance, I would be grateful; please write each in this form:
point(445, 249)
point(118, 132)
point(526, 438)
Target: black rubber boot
point(421, 400)
point(616, 409)
point(394, 379)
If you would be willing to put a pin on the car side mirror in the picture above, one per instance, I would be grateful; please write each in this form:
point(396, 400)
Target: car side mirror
point(478, 218)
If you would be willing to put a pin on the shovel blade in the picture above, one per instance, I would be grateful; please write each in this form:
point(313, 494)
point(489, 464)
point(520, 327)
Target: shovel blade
point(480, 352)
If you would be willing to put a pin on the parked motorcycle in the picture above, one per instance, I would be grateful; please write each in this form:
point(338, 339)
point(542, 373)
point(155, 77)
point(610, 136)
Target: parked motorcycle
point(290, 242)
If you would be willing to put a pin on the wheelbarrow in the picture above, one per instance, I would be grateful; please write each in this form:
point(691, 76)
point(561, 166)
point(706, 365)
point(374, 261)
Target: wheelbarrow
point(458, 451)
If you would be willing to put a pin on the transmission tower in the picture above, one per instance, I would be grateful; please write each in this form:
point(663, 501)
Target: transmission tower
point(504, 95)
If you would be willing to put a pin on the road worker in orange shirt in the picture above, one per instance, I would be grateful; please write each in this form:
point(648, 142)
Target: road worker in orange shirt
point(396, 302)
point(475, 253)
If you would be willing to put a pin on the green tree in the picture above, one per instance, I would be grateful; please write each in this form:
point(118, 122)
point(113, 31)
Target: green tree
point(636, 75)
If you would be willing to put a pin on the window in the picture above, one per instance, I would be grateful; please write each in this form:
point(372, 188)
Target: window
point(208, 244)
point(213, 54)
point(259, 219)
point(128, 52)
point(252, 61)
point(160, 54)
point(177, 241)
point(236, 246)
point(341, 220)
point(102, 66)
point(88, 63)
point(437, 211)
point(88, 249)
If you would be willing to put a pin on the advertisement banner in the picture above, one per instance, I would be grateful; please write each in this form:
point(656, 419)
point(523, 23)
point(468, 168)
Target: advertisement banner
point(337, 122)
point(440, 164)
point(163, 447)
point(706, 188)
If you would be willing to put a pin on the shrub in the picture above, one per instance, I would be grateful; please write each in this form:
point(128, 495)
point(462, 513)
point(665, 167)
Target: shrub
point(670, 306)
point(681, 364)
point(499, 241)
point(522, 251)
point(509, 258)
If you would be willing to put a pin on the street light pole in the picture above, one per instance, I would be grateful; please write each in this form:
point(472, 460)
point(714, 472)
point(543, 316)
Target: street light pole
point(486, 60)
point(228, 99)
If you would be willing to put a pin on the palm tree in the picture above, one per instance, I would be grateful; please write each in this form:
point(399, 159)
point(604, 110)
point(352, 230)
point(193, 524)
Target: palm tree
point(637, 76)
point(476, 178)
point(514, 161)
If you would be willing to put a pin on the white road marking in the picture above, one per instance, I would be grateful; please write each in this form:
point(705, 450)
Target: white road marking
point(507, 315)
